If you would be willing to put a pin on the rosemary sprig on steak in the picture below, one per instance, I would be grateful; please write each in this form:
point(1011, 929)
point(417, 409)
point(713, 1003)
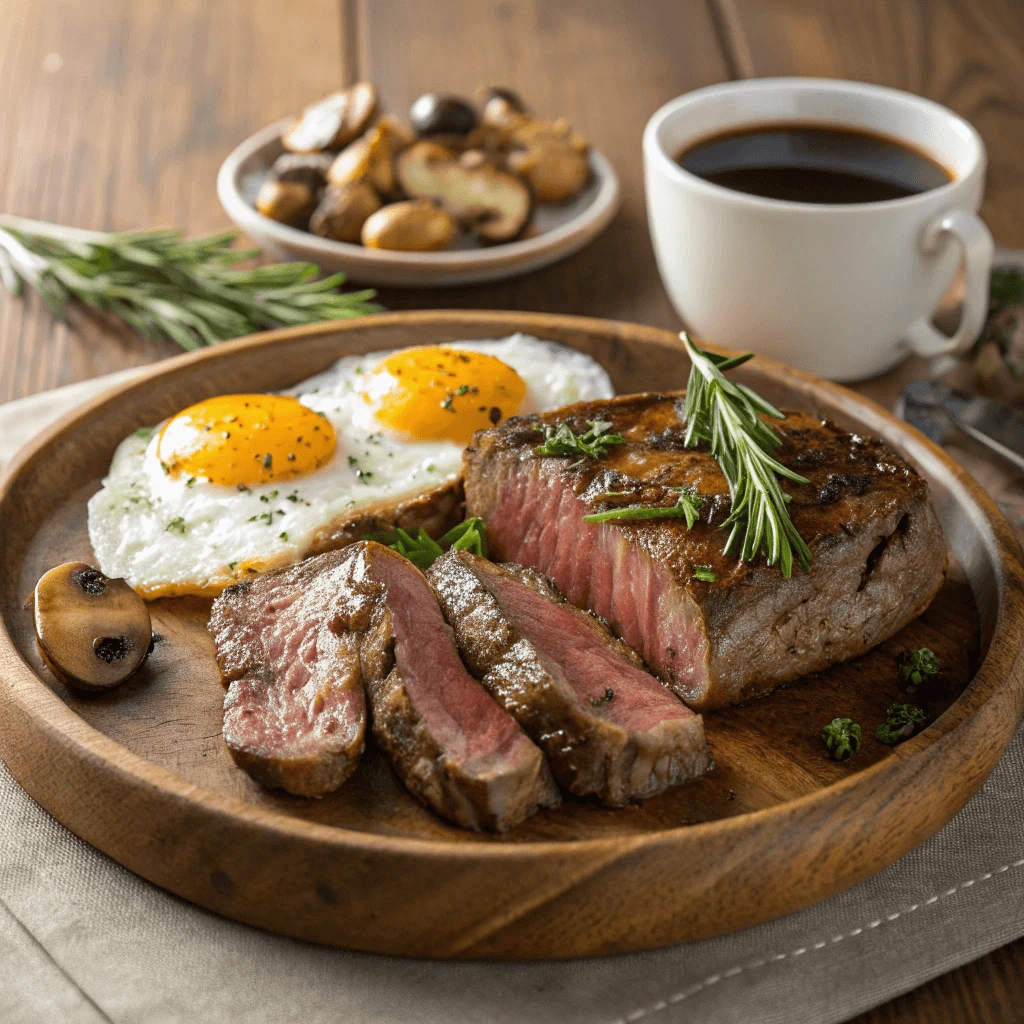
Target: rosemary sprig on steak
point(595, 442)
point(727, 416)
point(687, 507)
point(422, 550)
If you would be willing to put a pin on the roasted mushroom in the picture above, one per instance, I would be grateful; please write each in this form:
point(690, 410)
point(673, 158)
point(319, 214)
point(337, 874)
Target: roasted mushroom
point(343, 210)
point(309, 169)
point(93, 632)
point(550, 157)
point(333, 122)
point(286, 201)
point(432, 114)
point(494, 204)
point(372, 157)
point(500, 105)
point(416, 225)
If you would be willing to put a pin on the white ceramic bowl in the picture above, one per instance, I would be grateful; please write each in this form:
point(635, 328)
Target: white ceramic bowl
point(562, 229)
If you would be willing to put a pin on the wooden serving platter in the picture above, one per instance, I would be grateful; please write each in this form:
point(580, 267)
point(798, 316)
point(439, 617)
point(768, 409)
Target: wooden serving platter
point(142, 773)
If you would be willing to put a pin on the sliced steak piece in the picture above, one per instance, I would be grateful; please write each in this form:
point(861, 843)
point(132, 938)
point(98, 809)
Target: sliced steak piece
point(451, 744)
point(294, 714)
point(878, 551)
point(608, 727)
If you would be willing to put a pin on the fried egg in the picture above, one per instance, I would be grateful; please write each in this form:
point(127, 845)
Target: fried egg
point(239, 484)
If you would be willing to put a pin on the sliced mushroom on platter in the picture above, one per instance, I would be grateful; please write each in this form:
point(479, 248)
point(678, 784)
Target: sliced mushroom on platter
point(493, 203)
point(550, 157)
point(93, 632)
point(309, 169)
point(416, 225)
point(333, 122)
point(286, 201)
point(371, 157)
point(343, 210)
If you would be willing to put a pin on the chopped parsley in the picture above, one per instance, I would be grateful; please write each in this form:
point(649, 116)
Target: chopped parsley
point(593, 443)
point(705, 573)
point(176, 525)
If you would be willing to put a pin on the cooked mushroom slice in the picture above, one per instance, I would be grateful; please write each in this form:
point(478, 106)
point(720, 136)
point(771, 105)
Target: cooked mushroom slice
point(491, 202)
point(333, 122)
point(309, 169)
point(416, 225)
point(550, 157)
point(372, 157)
point(286, 201)
point(432, 114)
point(343, 210)
point(93, 632)
point(500, 105)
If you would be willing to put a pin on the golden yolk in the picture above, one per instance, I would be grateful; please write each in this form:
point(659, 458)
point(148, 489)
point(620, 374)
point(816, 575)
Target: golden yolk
point(440, 393)
point(245, 440)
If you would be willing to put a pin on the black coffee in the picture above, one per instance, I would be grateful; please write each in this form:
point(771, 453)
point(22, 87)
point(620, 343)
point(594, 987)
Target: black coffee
point(813, 164)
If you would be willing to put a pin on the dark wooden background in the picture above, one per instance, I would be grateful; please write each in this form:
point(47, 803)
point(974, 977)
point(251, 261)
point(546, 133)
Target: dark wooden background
point(116, 114)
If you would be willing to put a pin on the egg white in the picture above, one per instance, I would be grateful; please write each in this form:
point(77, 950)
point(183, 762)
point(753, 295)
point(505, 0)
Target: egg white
point(169, 535)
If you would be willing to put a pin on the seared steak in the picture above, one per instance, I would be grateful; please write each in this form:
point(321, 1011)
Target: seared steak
point(297, 646)
point(451, 744)
point(294, 714)
point(607, 726)
point(878, 550)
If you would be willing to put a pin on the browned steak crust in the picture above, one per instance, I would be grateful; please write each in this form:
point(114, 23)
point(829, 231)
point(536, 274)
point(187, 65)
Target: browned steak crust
point(607, 727)
point(878, 550)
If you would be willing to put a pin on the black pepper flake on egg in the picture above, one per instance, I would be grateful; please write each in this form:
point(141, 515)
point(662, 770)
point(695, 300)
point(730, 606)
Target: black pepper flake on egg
point(291, 456)
point(494, 415)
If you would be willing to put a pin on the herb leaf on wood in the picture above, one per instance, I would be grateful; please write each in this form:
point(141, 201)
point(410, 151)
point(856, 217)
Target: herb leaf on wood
point(160, 283)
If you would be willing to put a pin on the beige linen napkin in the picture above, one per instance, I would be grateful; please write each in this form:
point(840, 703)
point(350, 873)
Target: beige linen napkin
point(82, 940)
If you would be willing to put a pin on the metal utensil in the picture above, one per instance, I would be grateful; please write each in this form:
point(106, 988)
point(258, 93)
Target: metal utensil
point(938, 411)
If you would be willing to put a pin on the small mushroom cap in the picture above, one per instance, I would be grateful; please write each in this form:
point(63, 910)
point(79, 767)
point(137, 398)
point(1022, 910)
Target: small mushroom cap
point(343, 210)
point(93, 632)
point(371, 157)
point(416, 225)
point(334, 121)
point(433, 114)
point(309, 169)
point(286, 201)
point(550, 158)
point(493, 203)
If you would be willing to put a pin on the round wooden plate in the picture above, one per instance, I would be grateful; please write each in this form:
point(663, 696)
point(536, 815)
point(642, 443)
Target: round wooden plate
point(142, 772)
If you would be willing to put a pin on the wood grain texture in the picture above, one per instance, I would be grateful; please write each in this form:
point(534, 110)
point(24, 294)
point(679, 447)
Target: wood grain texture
point(965, 54)
point(116, 116)
point(141, 772)
point(605, 65)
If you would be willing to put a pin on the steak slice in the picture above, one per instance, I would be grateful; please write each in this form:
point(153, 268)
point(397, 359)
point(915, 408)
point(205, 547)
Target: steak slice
point(294, 714)
point(608, 727)
point(451, 744)
point(878, 551)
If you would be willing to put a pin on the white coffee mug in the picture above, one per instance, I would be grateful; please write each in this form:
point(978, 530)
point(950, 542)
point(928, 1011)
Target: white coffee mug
point(842, 291)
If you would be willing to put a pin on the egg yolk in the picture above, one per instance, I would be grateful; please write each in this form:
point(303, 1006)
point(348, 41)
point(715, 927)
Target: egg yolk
point(245, 440)
point(437, 393)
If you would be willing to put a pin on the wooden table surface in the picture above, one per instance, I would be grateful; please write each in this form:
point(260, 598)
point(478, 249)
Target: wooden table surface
point(117, 114)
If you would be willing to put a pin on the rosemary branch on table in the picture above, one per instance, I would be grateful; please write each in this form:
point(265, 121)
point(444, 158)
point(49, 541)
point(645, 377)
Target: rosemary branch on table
point(727, 416)
point(160, 283)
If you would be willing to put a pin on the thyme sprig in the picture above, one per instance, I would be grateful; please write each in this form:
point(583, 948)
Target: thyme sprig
point(687, 507)
point(163, 284)
point(422, 550)
point(727, 416)
point(595, 442)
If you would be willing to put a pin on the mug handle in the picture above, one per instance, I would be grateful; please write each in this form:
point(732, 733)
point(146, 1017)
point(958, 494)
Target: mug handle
point(976, 240)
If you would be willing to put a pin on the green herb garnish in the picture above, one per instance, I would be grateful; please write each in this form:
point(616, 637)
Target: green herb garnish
point(705, 573)
point(841, 738)
point(595, 442)
point(422, 550)
point(917, 668)
point(727, 416)
point(901, 722)
point(687, 507)
point(176, 525)
point(162, 284)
